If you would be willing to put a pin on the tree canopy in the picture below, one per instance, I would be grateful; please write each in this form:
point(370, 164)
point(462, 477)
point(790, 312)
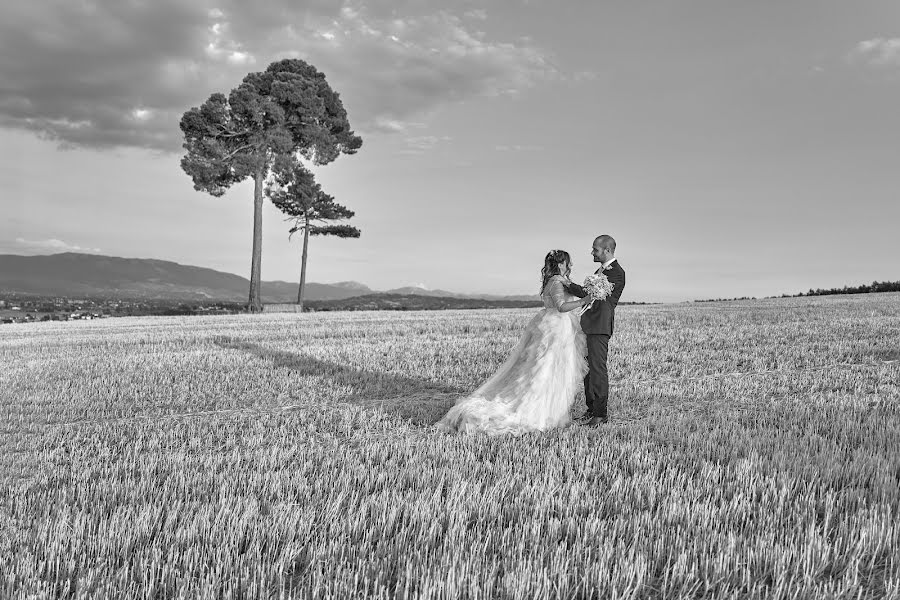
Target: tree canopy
point(297, 194)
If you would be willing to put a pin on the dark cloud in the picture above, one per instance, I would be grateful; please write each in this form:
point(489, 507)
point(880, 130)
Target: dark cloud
point(96, 75)
point(107, 73)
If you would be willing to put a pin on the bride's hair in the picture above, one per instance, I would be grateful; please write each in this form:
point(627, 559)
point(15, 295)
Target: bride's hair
point(552, 263)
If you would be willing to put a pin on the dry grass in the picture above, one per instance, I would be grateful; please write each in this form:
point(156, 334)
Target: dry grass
point(753, 453)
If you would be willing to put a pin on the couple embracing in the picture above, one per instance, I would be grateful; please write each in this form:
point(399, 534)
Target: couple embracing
point(564, 344)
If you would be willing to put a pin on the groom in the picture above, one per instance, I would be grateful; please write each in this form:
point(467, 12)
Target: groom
point(597, 324)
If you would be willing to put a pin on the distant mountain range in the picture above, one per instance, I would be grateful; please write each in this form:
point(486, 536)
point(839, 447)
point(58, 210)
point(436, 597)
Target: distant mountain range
point(391, 301)
point(418, 291)
point(90, 275)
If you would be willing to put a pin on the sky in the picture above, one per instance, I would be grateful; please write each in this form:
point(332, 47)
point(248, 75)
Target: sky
point(731, 148)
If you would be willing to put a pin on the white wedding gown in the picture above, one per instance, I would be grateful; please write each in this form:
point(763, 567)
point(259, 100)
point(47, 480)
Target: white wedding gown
point(535, 387)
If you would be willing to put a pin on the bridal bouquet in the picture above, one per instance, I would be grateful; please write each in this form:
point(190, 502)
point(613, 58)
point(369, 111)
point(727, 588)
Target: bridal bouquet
point(598, 287)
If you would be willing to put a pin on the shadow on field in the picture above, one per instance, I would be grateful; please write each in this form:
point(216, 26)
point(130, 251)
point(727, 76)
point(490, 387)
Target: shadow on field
point(419, 400)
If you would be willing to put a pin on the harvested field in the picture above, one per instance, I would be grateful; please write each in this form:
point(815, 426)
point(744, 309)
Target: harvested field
point(753, 452)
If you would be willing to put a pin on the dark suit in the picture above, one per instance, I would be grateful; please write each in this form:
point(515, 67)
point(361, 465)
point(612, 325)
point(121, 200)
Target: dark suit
point(598, 323)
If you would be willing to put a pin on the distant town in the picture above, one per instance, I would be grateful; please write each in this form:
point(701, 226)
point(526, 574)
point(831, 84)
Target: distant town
point(28, 309)
point(21, 308)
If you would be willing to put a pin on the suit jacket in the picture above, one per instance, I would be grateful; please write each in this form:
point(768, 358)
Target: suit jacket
point(600, 318)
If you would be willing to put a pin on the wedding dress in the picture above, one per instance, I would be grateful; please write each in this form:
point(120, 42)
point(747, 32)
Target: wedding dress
point(536, 385)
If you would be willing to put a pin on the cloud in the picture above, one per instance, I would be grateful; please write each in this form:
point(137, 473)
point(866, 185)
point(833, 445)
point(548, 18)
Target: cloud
point(393, 70)
point(420, 144)
point(877, 52)
point(50, 246)
point(103, 73)
point(384, 124)
point(517, 147)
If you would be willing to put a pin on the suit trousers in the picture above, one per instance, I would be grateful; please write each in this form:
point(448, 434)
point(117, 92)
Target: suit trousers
point(596, 383)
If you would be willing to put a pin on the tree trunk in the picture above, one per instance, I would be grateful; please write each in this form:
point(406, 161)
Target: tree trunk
point(303, 264)
point(255, 304)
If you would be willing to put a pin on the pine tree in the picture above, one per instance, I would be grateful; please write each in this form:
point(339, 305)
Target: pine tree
point(296, 193)
point(287, 109)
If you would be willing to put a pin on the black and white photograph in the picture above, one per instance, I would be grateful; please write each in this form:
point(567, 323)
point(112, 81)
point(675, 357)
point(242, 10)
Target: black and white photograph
point(408, 299)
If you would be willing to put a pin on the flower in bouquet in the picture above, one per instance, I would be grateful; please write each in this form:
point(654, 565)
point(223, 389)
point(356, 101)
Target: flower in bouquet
point(598, 287)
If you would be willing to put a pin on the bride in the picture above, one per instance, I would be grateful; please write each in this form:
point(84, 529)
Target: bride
point(535, 387)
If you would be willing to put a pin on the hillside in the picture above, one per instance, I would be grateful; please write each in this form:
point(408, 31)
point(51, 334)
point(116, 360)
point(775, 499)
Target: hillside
point(71, 274)
point(89, 275)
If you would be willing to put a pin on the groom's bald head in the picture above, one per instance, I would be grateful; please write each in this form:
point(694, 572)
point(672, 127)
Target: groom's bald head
point(604, 248)
point(606, 242)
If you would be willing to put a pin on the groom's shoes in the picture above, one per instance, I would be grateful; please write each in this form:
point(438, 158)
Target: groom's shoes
point(583, 418)
point(596, 422)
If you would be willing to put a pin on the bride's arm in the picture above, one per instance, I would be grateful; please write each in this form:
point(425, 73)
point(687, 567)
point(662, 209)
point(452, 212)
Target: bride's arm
point(575, 289)
point(558, 294)
point(567, 306)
